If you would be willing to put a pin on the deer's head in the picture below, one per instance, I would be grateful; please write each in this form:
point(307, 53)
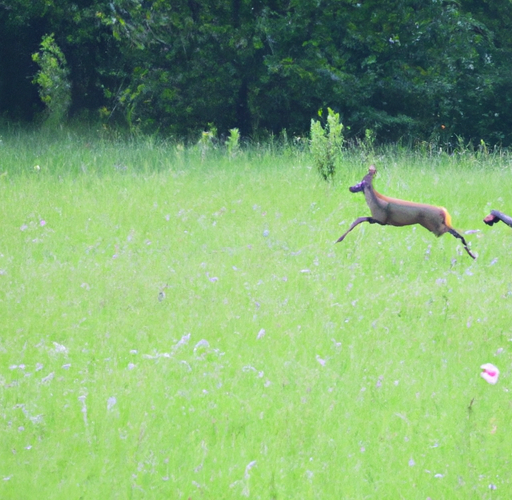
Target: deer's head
point(367, 181)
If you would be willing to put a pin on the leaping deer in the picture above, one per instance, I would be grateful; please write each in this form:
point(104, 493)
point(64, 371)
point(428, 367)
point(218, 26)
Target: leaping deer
point(392, 212)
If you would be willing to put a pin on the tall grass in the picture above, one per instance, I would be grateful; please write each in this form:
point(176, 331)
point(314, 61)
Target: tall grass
point(176, 324)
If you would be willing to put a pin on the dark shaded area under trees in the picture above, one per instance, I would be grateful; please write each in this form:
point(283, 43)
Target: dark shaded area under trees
point(408, 70)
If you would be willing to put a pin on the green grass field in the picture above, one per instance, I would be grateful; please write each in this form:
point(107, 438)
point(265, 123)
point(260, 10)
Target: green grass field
point(178, 324)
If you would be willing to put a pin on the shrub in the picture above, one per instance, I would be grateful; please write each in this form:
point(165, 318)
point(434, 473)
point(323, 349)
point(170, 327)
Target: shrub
point(233, 142)
point(326, 144)
point(52, 78)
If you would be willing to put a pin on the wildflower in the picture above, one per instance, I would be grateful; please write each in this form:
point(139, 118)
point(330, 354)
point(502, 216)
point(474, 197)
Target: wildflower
point(42, 222)
point(250, 465)
point(111, 402)
point(59, 348)
point(490, 373)
point(320, 360)
point(183, 341)
point(48, 378)
point(202, 343)
point(84, 407)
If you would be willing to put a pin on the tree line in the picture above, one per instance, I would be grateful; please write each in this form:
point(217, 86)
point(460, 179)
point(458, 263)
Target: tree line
point(414, 70)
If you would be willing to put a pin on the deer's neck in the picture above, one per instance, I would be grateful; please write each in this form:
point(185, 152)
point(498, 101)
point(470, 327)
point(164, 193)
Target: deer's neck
point(375, 200)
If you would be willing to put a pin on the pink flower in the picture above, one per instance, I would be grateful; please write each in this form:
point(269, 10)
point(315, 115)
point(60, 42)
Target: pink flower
point(490, 373)
point(320, 360)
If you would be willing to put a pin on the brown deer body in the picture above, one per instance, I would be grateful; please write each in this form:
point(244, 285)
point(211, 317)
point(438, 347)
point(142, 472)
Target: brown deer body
point(393, 212)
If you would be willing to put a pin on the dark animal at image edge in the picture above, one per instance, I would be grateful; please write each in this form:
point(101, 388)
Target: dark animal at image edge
point(393, 212)
point(496, 216)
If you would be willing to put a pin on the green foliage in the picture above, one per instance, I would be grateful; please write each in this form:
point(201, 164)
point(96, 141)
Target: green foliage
point(408, 74)
point(207, 141)
point(52, 80)
point(326, 144)
point(233, 142)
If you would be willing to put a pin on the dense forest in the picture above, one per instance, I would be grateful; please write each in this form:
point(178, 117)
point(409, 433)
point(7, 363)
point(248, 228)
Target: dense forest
point(411, 70)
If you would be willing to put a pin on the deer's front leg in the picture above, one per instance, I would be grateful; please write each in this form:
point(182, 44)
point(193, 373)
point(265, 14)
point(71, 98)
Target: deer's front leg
point(358, 221)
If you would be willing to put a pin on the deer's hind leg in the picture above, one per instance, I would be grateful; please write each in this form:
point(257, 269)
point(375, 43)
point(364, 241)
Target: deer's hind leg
point(457, 235)
point(358, 221)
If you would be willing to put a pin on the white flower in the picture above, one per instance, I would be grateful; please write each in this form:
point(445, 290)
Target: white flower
point(60, 348)
point(48, 378)
point(202, 343)
point(490, 373)
point(184, 340)
point(250, 465)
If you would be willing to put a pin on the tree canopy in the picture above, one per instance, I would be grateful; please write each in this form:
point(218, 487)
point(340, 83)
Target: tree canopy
point(406, 69)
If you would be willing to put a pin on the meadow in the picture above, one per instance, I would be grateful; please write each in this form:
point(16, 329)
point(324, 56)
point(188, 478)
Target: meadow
point(177, 322)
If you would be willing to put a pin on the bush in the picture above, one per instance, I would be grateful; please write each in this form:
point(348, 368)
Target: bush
point(52, 78)
point(326, 144)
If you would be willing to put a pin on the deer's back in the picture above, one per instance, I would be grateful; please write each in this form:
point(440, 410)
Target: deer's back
point(406, 213)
